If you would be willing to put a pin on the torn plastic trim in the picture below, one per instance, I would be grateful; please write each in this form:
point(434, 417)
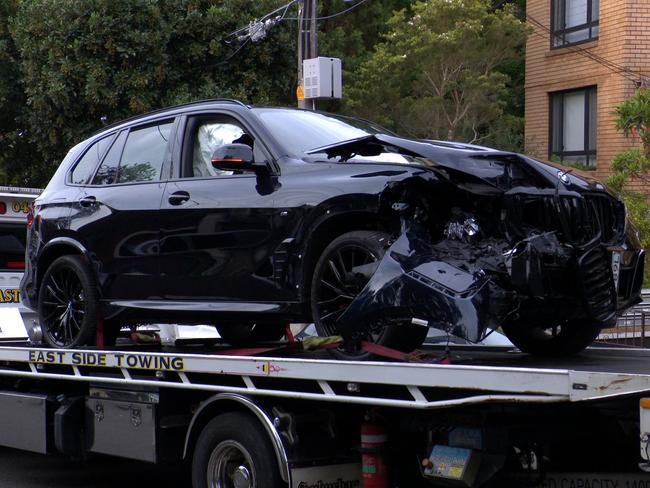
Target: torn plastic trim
point(411, 281)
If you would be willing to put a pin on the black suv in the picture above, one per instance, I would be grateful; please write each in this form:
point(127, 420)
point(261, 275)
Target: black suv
point(249, 218)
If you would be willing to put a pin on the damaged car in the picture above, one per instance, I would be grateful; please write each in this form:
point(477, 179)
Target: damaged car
point(249, 218)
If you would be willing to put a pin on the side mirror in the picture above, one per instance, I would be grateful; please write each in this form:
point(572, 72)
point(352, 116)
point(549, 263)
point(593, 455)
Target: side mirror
point(233, 157)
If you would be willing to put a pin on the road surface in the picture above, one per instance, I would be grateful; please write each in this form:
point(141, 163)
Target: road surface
point(19, 469)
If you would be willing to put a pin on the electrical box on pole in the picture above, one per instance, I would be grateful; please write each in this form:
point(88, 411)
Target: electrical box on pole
point(322, 78)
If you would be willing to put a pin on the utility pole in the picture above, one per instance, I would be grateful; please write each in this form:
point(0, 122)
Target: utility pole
point(307, 42)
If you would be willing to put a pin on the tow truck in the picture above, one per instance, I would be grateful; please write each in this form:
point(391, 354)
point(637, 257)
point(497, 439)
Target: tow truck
point(283, 415)
point(286, 414)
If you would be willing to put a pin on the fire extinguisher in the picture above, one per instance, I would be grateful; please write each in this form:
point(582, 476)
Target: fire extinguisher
point(373, 467)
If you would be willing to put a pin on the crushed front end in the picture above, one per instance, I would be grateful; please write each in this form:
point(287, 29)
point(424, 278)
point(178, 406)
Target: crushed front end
point(551, 262)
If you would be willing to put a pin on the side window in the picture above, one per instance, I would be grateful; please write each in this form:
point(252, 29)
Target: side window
point(205, 134)
point(136, 155)
point(144, 153)
point(107, 172)
point(85, 168)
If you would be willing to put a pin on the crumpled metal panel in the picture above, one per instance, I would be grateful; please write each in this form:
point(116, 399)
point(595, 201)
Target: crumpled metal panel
point(412, 281)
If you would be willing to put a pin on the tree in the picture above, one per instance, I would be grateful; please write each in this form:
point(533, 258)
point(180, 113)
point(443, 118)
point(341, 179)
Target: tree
point(353, 36)
point(82, 60)
point(16, 164)
point(630, 168)
point(436, 73)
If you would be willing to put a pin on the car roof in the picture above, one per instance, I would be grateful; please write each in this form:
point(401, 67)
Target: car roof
point(173, 110)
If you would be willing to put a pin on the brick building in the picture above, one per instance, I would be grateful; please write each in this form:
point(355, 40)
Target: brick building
point(583, 58)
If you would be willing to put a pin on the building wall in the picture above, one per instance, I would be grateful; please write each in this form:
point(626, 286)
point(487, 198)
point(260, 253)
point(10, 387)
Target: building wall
point(624, 38)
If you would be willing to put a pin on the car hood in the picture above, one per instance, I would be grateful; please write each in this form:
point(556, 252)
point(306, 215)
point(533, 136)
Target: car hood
point(500, 169)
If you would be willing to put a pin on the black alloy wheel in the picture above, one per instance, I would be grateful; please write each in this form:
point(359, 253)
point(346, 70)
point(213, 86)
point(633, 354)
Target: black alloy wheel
point(334, 286)
point(67, 303)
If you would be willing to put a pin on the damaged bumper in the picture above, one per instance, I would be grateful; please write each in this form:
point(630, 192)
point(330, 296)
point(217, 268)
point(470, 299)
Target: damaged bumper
point(469, 287)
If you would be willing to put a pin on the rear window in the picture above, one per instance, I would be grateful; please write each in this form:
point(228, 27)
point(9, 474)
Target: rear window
point(12, 247)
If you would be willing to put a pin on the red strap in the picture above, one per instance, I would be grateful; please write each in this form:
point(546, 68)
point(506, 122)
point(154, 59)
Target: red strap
point(409, 357)
point(290, 338)
point(99, 332)
point(383, 351)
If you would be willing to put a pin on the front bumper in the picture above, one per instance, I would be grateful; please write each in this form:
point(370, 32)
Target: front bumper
point(468, 289)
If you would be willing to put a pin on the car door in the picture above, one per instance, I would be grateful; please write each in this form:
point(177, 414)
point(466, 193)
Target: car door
point(217, 235)
point(116, 217)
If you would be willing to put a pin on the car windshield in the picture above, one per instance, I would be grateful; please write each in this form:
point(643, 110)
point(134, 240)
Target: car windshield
point(300, 130)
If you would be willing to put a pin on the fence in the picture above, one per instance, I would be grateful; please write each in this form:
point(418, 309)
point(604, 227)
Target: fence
point(632, 328)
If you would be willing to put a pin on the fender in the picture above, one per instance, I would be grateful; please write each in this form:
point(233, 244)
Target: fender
point(68, 241)
point(248, 404)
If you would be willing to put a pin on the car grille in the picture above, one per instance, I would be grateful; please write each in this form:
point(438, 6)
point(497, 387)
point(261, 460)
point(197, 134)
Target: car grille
point(598, 284)
point(582, 220)
point(610, 214)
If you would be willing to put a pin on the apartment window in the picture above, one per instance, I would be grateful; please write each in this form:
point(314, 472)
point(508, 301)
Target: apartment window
point(574, 21)
point(573, 126)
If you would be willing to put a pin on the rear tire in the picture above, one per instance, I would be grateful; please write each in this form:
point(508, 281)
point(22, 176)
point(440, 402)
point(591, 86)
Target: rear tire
point(234, 451)
point(332, 291)
point(68, 303)
point(567, 341)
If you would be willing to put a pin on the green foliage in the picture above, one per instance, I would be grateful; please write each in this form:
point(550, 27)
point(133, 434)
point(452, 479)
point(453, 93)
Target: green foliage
point(81, 60)
point(633, 117)
point(436, 74)
point(631, 166)
point(65, 64)
point(353, 36)
point(13, 146)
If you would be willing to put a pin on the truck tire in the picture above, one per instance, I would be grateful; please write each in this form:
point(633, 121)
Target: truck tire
point(68, 303)
point(233, 451)
point(564, 340)
point(332, 292)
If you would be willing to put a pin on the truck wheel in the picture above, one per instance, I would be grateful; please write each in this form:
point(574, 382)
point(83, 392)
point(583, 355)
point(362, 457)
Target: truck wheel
point(334, 287)
point(234, 452)
point(246, 334)
point(563, 340)
point(67, 303)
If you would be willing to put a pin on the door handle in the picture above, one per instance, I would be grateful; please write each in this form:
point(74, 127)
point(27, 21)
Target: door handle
point(88, 201)
point(178, 198)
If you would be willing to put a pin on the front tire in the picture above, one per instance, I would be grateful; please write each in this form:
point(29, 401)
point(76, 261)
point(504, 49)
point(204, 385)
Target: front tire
point(562, 340)
point(68, 303)
point(234, 452)
point(334, 287)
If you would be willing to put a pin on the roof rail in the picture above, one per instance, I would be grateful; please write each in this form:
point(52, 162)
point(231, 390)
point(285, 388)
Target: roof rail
point(165, 109)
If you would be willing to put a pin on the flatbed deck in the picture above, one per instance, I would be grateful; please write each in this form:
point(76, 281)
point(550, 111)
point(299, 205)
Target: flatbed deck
point(474, 375)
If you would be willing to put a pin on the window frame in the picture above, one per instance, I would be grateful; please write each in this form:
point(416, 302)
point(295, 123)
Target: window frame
point(184, 138)
point(167, 162)
point(591, 154)
point(68, 177)
point(559, 34)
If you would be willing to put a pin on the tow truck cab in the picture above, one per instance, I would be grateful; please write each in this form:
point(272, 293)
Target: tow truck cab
point(15, 206)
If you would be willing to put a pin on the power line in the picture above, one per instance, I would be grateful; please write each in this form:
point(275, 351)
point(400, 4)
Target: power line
point(265, 17)
point(255, 31)
point(358, 4)
point(611, 65)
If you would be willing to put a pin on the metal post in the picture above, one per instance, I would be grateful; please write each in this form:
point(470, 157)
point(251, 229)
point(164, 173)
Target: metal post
point(313, 38)
point(301, 46)
point(307, 38)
